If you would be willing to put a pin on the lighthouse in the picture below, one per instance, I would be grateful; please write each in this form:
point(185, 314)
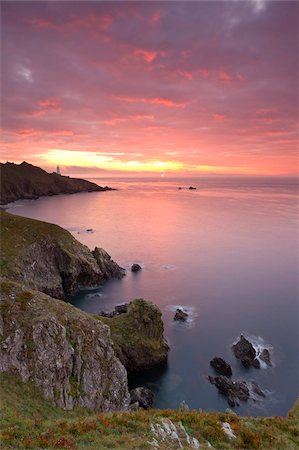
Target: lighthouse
point(58, 170)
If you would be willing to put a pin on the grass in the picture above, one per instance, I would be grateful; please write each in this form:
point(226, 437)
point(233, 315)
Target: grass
point(29, 421)
point(18, 233)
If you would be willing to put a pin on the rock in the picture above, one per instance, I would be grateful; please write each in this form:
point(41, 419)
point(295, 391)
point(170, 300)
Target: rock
point(257, 390)
point(143, 396)
point(192, 188)
point(134, 406)
point(121, 309)
point(180, 188)
point(136, 268)
point(244, 349)
point(183, 407)
point(241, 390)
point(246, 362)
point(256, 364)
point(234, 391)
point(65, 352)
point(180, 315)
point(265, 356)
point(221, 366)
point(108, 267)
point(138, 336)
point(231, 412)
point(50, 259)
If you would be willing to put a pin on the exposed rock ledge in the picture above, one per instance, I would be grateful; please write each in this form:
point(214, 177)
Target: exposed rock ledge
point(48, 258)
point(138, 336)
point(64, 351)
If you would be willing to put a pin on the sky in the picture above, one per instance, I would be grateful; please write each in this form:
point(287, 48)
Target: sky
point(151, 88)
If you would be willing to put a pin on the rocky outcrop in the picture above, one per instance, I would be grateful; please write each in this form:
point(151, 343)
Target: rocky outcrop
point(244, 351)
point(119, 309)
point(65, 352)
point(136, 268)
point(25, 181)
point(180, 315)
point(265, 356)
point(235, 391)
point(48, 258)
point(221, 366)
point(107, 266)
point(143, 396)
point(138, 336)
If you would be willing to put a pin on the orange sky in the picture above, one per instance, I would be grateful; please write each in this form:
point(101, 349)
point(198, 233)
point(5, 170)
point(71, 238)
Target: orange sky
point(134, 88)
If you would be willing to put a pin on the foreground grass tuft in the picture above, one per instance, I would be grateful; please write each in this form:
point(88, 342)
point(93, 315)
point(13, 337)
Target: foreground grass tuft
point(28, 421)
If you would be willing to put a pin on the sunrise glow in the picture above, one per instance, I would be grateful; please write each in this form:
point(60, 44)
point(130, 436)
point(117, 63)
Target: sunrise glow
point(151, 87)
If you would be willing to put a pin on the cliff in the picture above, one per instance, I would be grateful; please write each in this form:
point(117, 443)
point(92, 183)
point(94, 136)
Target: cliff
point(65, 352)
point(25, 181)
point(48, 258)
point(138, 336)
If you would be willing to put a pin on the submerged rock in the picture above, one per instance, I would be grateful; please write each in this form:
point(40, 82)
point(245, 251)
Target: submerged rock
point(136, 268)
point(257, 390)
point(65, 352)
point(180, 315)
point(138, 336)
point(221, 366)
point(143, 396)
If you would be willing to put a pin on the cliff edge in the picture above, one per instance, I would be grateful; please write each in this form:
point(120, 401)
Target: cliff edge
point(48, 258)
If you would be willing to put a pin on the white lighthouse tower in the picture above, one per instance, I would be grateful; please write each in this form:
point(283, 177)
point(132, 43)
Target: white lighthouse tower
point(58, 170)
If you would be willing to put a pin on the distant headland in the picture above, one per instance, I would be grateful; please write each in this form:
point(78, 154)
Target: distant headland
point(25, 181)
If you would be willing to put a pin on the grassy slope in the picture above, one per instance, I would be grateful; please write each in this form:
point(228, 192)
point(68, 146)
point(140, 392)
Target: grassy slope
point(29, 421)
point(18, 232)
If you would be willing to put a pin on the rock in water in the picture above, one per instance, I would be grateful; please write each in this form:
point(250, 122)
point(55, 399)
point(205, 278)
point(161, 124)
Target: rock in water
point(138, 336)
point(180, 315)
point(108, 267)
point(257, 390)
point(221, 366)
point(234, 391)
point(66, 352)
point(244, 349)
point(256, 364)
point(143, 396)
point(265, 356)
point(136, 268)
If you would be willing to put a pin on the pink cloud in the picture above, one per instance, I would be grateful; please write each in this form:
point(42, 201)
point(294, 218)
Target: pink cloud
point(154, 101)
point(224, 76)
point(156, 17)
point(218, 117)
point(131, 118)
point(145, 55)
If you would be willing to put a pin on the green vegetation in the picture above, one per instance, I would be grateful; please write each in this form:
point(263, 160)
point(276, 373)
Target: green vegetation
point(30, 421)
point(18, 233)
point(138, 335)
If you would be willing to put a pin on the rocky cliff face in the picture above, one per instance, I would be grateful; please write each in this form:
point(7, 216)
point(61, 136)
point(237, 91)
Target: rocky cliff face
point(48, 258)
point(138, 336)
point(65, 352)
point(24, 181)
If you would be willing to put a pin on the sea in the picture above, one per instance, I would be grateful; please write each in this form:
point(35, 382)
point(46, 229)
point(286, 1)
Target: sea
point(226, 252)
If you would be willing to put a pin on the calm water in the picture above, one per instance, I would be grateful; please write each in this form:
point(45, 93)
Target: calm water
point(227, 252)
